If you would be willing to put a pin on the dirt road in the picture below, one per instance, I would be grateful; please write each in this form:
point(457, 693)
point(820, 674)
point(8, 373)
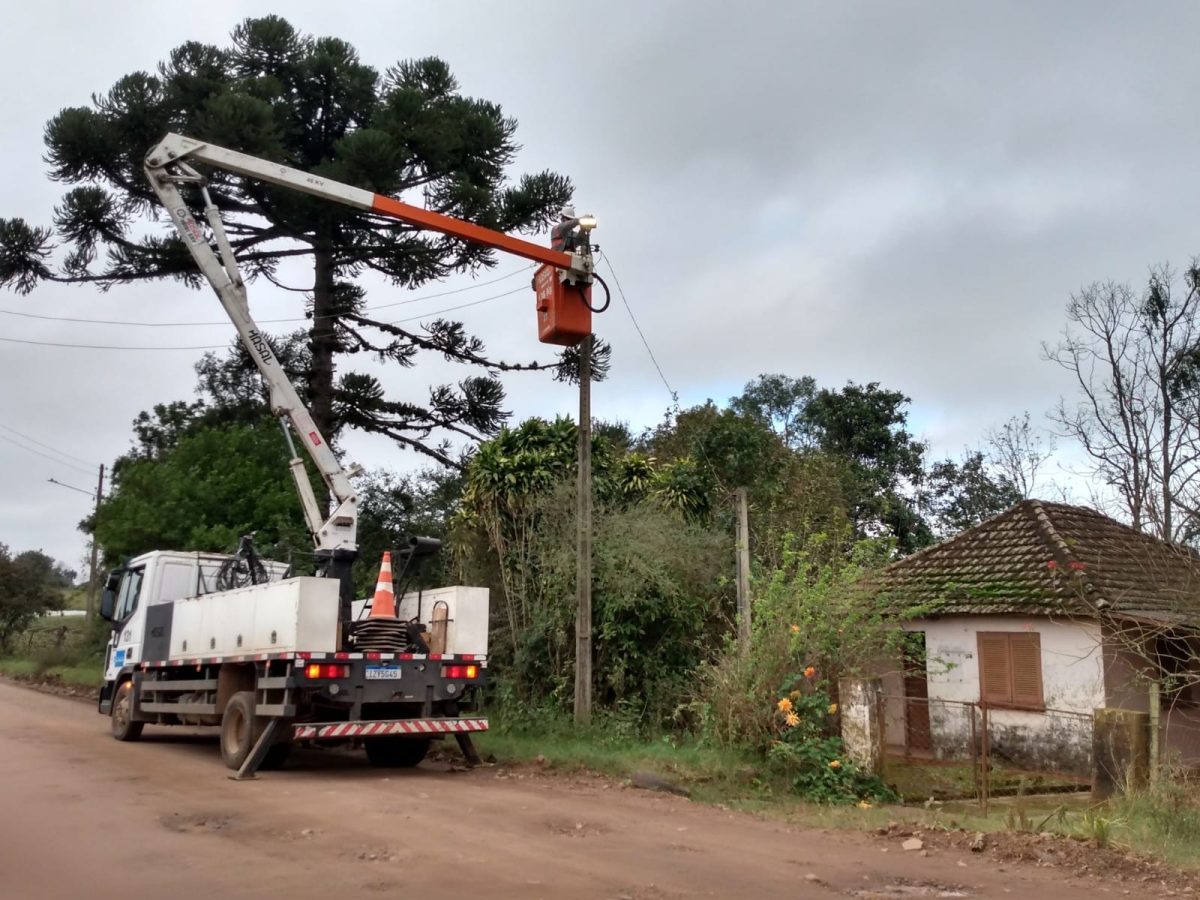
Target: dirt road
point(82, 816)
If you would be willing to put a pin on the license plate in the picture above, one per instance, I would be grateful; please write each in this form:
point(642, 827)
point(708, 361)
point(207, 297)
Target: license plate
point(382, 673)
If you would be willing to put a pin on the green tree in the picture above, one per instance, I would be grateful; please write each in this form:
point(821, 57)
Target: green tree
point(958, 495)
point(310, 103)
point(31, 583)
point(209, 487)
point(514, 530)
point(867, 426)
point(779, 401)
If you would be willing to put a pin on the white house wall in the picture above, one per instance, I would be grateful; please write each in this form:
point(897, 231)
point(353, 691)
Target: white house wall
point(1072, 682)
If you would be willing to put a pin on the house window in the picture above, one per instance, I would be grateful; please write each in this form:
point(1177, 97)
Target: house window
point(1010, 669)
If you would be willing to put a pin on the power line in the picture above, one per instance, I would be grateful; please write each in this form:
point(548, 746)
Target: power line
point(106, 346)
point(435, 312)
point(45, 455)
point(9, 428)
point(70, 486)
point(136, 324)
point(633, 318)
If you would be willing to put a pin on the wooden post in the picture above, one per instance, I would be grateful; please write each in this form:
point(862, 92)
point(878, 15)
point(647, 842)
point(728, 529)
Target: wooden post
point(975, 755)
point(93, 583)
point(583, 561)
point(984, 762)
point(1155, 727)
point(743, 570)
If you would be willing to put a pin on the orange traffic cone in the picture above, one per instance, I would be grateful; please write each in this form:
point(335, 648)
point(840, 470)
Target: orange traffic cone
point(384, 604)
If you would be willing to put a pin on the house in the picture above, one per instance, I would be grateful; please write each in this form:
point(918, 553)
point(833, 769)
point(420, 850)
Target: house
point(1044, 613)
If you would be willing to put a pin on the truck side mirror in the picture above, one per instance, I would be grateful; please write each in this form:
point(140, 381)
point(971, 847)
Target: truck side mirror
point(108, 604)
point(108, 599)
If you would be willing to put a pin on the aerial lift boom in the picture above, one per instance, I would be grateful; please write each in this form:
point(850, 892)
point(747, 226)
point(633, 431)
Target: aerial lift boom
point(169, 166)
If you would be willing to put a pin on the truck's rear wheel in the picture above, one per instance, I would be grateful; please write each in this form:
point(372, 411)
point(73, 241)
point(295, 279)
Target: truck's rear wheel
point(396, 752)
point(240, 729)
point(123, 726)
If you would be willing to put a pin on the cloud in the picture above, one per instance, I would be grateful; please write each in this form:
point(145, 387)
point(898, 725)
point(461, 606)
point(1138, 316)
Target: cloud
point(905, 193)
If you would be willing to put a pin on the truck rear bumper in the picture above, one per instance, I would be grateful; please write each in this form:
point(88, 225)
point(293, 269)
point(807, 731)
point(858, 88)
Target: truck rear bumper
point(315, 731)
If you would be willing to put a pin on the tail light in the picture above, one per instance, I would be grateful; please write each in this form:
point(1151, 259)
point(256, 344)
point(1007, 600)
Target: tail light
point(460, 673)
point(327, 670)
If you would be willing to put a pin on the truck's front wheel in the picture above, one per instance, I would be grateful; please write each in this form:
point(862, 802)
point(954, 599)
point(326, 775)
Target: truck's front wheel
point(396, 752)
point(123, 726)
point(240, 729)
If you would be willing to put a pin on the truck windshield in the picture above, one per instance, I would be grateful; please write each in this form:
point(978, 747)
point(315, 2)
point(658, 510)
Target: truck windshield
point(127, 598)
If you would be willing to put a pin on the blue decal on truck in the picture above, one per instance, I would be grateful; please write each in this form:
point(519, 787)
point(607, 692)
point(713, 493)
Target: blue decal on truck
point(119, 658)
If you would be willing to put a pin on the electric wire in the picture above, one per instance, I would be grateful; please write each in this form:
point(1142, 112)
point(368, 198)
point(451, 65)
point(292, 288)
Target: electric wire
point(137, 324)
point(26, 437)
point(71, 487)
point(47, 456)
point(435, 312)
point(641, 334)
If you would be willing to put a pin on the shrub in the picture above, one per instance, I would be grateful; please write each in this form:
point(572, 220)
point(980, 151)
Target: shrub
point(808, 750)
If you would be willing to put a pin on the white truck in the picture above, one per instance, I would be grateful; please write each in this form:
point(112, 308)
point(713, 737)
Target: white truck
point(264, 660)
point(205, 639)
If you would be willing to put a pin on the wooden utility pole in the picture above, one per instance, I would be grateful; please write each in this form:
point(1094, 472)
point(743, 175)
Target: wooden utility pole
point(92, 580)
point(583, 560)
point(743, 570)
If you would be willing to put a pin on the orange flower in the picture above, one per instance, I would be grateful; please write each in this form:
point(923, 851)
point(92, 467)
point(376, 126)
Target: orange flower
point(810, 672)
point(791, 720)
point(784, 705)
point(795, 629)
point(835, 764)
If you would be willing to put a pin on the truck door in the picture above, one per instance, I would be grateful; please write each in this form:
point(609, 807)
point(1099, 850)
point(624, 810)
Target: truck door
point(128, 621)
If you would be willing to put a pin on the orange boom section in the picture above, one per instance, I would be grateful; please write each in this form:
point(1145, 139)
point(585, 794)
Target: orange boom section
point(398, 209)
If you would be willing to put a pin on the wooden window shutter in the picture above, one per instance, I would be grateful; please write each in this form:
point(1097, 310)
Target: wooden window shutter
point(995, 670)
point(1026, 655)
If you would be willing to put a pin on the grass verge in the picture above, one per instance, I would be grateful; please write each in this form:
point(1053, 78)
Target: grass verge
point(1162, 824)
point(76, 673)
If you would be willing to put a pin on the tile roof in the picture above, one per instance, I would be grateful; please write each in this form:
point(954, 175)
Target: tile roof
point(1052, 559)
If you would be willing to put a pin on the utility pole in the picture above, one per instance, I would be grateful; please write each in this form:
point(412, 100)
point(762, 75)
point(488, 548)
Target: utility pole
point(92, 581)
point(583, 559)
point(743, 570)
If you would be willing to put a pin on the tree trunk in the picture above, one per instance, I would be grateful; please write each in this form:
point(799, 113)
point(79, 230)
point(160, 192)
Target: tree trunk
point(323, 344)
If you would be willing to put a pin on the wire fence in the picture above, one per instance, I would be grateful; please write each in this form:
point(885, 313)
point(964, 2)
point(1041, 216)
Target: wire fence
point(939, 750)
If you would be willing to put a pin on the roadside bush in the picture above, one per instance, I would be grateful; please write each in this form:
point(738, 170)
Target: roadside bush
point(660, 602)
point(813, 610)
point(808, 750)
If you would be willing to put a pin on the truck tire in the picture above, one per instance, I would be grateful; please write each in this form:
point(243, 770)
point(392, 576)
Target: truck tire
point(240, 729)
point(123, 726)
point(396, 752)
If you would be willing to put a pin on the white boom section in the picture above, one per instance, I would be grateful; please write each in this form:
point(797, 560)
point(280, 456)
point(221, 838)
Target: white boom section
point(176, 147)
point(175, 150)
point(336, 531)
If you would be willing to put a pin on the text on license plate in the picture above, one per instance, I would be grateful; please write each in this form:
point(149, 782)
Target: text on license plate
point(382, 673)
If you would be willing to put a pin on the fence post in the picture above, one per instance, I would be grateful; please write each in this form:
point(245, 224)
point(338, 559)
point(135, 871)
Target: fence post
point(1155, 728)
point(881, 716)
point(974, 753)
point(861, 721)
point(984, 752)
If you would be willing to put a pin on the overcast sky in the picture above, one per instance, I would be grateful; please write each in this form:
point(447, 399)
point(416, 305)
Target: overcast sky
point(903, 193)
